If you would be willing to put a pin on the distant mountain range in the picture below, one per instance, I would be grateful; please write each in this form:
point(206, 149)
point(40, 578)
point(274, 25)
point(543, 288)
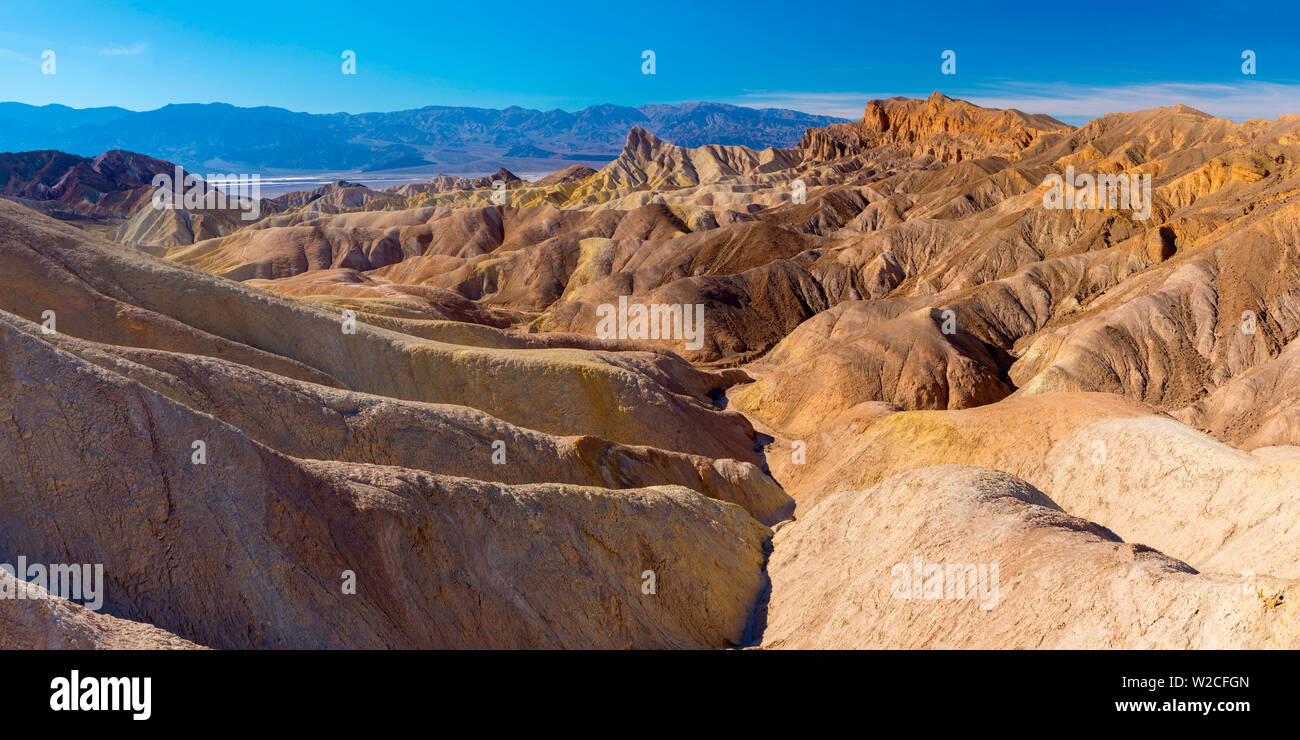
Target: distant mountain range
point(206, 137)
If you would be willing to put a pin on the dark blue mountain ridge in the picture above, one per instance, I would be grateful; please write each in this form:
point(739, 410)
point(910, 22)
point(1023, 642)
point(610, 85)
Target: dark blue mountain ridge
point(202, 135)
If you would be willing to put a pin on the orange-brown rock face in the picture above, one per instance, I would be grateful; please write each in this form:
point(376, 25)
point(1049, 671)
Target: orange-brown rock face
point(701, 397)
point(938, 128)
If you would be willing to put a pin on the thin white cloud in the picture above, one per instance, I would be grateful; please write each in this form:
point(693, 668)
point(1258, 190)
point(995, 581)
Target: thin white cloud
point(1239, 101)
point(11, 54)
point(843, 105)
point(1071, 103)
point(122, 51)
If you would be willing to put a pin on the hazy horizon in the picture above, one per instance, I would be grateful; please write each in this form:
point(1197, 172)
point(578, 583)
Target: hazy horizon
point(1048, 62)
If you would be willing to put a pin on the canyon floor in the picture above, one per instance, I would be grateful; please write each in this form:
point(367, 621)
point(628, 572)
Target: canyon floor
point(925, 410)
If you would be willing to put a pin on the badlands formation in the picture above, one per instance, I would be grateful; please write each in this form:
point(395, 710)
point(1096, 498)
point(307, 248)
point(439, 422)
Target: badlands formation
point(924, 409)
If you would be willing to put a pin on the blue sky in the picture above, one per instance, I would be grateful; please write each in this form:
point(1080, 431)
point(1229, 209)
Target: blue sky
point(1072, 60)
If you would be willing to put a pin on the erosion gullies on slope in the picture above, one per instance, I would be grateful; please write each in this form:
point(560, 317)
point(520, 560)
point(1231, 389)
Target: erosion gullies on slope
point(250, 546)
point(852, 354)
point(984, 208)
point(1148, 478)
point(1192, 323)
point(419, 385)
point(114, 184)
point(1257, 408)
point(559, 391)
point(313, 421)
